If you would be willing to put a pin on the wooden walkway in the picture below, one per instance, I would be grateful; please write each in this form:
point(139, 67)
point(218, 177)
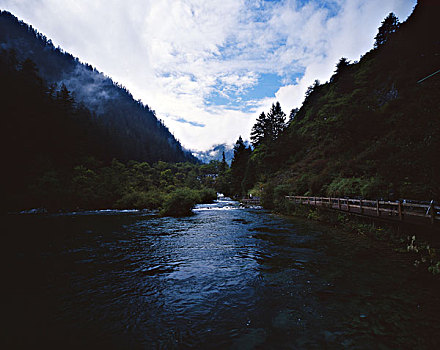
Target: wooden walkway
point(399, 211)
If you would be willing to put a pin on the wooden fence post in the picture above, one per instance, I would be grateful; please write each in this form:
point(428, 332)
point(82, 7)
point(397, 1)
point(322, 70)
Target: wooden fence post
point(400, 210)
point(339, 203)
point(360, 206)
point(377, 207)
point(348, 205)
point(432, 208)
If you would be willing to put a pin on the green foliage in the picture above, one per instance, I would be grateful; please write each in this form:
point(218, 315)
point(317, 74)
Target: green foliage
point(372, 131)
point(239, 165)
point(313, 214)
point(207, 195)
point(132, 185)
point(435, 268)
point(389, 26)
point(84, 183)
point(223, 182)
point(180, 202)
point(279, 194)
point(267, 196)
point(374, 187)
point(301, 185)
point(341, 187)
point(268, 127)
point(362, 228)
point(256, 190)
point(141, 200)
point(342, 218)
point(426, 255)
point(258, 131)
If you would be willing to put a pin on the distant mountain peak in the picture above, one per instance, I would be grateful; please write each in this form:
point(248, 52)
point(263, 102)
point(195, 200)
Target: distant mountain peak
point(216, 153)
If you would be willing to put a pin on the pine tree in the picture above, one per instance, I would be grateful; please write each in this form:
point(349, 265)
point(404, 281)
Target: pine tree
point(341, 66)
point(292, 114)
point(389, 25)
point(239, 147)
point(312, 88)
point(259, 130)
point(223, 164)
point(268, 127)
point(239, 165)
point(65, 98)
point(277, 121)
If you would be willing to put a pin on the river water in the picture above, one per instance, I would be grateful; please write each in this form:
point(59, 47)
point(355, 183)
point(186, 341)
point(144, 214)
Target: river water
point(224, 278)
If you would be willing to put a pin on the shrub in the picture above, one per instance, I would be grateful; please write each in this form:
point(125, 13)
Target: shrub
point(313, 214)
point(279, 200)
point(339, 187)
point(267, 196)
point(257, 189)
point(140, 200)
point(301, 185)
point(374, 187)
point(207, 195)
point(180, 202)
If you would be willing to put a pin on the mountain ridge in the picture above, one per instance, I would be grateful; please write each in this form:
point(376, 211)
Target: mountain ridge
point(372, 130)
point(111, 103)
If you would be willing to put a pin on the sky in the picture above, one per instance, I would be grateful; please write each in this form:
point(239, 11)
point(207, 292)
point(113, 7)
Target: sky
point(210, 67)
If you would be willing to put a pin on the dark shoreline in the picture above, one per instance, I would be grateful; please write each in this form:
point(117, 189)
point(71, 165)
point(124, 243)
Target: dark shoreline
point(420, 242)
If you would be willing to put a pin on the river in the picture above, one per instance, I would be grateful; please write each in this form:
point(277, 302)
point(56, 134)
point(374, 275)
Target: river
point(224, 278)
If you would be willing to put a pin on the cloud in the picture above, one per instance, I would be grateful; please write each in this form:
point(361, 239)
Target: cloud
point(181, 120)
point(193, 61)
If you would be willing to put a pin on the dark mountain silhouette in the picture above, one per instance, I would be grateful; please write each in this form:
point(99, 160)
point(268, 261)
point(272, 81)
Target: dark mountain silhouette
point(131, 129)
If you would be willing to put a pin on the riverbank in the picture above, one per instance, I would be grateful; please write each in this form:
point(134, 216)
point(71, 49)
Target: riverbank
point(178, 202)
point(420, 244)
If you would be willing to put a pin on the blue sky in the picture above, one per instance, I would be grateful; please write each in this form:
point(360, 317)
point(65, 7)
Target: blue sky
point(246, 100)
point(210, 67)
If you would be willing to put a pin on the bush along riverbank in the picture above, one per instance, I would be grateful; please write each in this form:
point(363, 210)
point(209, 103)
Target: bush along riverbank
point(181, 201)
point(421, 244)
point(173, 189)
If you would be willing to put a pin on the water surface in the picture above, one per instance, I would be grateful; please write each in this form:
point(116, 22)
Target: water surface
point(226, 277)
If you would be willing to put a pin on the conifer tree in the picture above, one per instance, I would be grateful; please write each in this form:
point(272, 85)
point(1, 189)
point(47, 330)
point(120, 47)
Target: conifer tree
point(277, 121)
point(239, 164)
point(223, 164)
point(65, 98)
point(389, 25)
point(268, 127)
point(341, 66)
point(259, 130)
point(292, 114)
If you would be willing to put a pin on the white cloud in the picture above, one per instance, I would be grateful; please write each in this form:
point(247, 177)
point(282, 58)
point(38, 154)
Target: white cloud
point(176, 54)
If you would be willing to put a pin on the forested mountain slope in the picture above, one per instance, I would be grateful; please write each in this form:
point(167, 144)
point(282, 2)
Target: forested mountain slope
point(65, 125)
point(373, 130)
point(131, 128)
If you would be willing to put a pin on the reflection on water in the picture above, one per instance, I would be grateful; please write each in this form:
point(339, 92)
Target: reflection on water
point(227, 277)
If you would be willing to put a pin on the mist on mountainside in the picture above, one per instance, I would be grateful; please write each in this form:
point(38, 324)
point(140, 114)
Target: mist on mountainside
point(132, 126)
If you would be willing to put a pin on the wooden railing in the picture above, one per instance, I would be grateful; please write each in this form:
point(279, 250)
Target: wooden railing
point(399, 210)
